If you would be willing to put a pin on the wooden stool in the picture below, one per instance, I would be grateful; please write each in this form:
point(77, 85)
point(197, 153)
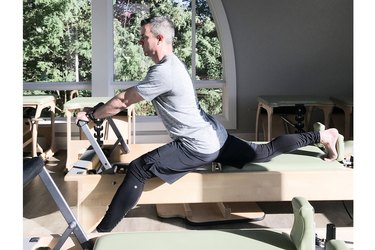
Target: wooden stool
point(345, 104)
point(269, 102)
point(40, 102)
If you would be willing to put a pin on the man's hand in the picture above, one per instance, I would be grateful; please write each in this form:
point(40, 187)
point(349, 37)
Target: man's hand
point(81, 116)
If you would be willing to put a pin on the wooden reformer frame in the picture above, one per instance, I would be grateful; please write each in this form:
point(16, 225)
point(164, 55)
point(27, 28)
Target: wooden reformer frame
point(212, 194)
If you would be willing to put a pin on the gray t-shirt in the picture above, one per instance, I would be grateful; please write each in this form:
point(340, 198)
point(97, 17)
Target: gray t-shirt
point(169, 87)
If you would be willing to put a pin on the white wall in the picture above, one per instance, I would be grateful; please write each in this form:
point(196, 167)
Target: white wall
point(292, 47)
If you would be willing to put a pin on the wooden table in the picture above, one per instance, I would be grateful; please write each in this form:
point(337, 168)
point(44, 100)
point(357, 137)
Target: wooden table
point(270, 102)
point(39, 103)
point(74, 147)
point(345, 104)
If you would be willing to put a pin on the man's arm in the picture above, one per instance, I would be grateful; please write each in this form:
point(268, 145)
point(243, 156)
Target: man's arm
point(118, 103)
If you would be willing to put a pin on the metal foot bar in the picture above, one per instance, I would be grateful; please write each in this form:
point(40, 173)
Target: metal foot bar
point(120, 139)
point(105, 164)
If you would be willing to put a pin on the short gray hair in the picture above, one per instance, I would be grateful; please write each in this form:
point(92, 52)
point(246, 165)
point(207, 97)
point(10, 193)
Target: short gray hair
point(161, 25)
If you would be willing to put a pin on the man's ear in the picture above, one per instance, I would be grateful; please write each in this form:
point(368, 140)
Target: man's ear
point(160, 37)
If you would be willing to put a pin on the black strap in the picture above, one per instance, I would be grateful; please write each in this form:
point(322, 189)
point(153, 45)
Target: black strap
point(90, 114)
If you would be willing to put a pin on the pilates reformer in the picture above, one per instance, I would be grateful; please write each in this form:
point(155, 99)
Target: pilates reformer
point(207, 189)
point(302, 235)
point(114, 241)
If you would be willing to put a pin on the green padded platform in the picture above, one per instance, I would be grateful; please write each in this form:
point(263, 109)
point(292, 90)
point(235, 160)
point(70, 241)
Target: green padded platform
point(37, 99)
point(196, 240)
point(304, 159)
point(82, 102)
point(291, 100)
point(302, 236)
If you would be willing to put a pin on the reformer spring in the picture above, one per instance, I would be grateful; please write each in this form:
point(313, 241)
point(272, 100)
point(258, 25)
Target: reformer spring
point(98, 127)
point(300, 117)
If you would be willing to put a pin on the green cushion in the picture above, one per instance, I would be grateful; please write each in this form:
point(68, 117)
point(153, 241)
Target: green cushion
point(307, 158)
point(82, 102)
point(196, 239)
point(302, 236)
point(38, 99)
point(291, 100)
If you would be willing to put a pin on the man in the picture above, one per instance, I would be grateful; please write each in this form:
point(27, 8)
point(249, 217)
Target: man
point(198, 138)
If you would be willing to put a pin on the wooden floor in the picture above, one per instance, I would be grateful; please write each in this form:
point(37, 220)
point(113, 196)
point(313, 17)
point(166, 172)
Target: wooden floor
point(41, 217)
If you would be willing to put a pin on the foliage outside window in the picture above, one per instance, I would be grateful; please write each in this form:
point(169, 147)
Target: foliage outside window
point(131, 65)
point(57, 45)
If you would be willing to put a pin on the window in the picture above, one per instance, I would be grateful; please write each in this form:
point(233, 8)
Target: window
point(201, 36)
point(57, 48)
point(100, 71)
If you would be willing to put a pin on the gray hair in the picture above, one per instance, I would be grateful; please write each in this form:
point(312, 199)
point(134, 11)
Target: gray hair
point(161, 25)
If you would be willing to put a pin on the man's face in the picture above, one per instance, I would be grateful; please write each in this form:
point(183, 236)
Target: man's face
point(148, 41)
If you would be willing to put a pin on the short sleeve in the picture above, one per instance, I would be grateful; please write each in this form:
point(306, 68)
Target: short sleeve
point(155, 83)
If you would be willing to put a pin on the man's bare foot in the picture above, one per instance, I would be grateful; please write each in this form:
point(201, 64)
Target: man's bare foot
point(329, 138)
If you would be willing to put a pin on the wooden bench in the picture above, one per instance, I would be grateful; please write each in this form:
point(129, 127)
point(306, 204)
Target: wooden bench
point(301, 173)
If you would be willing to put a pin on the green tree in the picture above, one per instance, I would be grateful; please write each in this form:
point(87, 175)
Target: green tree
point(56, 37)
point(209, 61)
point(54, 33)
